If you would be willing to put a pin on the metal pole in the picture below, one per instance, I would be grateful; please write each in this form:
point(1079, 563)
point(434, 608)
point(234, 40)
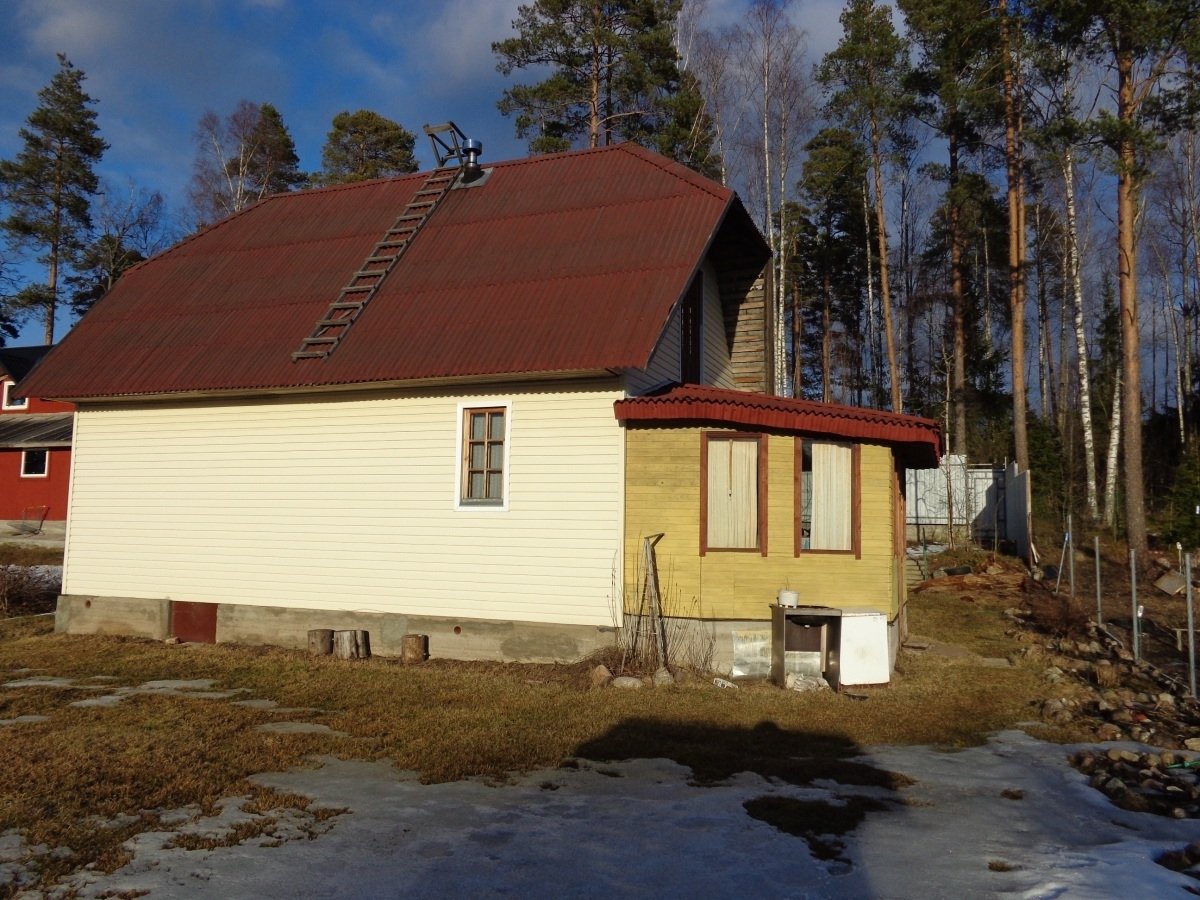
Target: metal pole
point(1191, 623)
point(1099, 601)
point(1071, 544)
point(1137, 655)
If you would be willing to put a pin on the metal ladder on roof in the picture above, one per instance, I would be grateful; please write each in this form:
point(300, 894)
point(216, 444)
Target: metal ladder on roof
point(363, 284)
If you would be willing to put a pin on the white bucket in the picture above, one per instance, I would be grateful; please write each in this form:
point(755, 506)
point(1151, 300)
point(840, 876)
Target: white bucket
point(789, 598)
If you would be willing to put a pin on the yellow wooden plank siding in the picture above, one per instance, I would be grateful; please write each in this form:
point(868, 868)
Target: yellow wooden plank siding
point(718, 365)
point(662, 494)
point(348, 502)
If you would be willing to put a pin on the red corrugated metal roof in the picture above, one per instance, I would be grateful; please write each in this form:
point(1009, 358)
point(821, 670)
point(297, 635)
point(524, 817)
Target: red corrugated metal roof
point(569, 262)
point(918, 441)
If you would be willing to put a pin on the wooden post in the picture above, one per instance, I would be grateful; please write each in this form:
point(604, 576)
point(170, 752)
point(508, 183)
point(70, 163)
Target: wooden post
point(320, 641)
point(351, 644)
point(414, 648)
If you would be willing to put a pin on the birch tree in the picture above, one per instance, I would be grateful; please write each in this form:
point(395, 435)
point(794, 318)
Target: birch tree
point(1147, 45)
point(770, 50)
point(240, 160)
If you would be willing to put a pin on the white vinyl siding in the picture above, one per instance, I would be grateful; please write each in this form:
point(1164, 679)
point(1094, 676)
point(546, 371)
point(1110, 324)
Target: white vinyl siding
point(664, 365)
point(347, 502)
point(717, 366)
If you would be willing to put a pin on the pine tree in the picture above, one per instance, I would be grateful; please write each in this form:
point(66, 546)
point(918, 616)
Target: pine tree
point(865, 76)
point(956, 39)
point(829, 259)
point(613, 71)
point(363, 145)
point(47, 188)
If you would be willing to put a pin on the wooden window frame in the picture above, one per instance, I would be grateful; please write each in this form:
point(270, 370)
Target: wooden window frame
point(761, 439)
point(855, 500)
point(462, 465)
point(45, 473)
point(7, 401)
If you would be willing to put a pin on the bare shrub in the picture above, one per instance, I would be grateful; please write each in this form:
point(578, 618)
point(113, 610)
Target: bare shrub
point(25, 590)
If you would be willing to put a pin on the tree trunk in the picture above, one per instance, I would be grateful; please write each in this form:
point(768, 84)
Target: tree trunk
point(1113, 456)
point(1076, 283)
point(320, 641)
point(1016, 271)
point(826, 339)
point(885, 290)
point(1131, 399)
point(351, 644)
point(414, 648)
point(958, 387)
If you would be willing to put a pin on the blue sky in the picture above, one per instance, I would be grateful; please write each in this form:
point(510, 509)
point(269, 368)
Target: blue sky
point(155, 66)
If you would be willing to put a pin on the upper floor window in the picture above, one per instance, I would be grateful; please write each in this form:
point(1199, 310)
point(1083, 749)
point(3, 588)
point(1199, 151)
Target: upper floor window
point(483, 456)
point(828, 505)
point(9, 400)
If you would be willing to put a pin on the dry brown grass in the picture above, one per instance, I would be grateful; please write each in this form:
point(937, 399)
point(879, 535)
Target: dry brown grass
point(441, 719)
point(29, 555)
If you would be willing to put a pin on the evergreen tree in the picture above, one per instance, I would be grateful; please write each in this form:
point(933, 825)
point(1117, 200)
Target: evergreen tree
point(865, 76)
point(47, 188)
point(830, 263)
point(363, 145)
point(613, 73)
point(955, 77)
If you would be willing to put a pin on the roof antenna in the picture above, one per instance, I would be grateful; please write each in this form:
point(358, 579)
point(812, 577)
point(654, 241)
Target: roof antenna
point(449, 143)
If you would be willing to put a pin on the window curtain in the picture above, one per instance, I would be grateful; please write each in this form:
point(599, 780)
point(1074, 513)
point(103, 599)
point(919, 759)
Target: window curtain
point(832, 491)
point(732, 494)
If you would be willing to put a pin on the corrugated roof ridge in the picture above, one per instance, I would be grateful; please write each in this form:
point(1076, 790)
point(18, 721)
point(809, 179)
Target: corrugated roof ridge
point(678, 169)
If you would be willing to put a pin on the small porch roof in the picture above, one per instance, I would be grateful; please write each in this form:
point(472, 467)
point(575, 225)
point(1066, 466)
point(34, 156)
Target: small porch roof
point(916, 441)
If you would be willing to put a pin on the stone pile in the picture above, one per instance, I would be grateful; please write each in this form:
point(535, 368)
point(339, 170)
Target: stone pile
point(1165, 783)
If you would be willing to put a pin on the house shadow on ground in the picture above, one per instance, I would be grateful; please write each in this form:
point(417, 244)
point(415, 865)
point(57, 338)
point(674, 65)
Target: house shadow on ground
point(716, 755)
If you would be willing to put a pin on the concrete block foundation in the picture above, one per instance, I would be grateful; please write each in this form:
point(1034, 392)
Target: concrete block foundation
point(289, 627)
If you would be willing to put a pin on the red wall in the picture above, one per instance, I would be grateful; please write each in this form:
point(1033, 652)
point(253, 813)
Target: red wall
point(16, 493)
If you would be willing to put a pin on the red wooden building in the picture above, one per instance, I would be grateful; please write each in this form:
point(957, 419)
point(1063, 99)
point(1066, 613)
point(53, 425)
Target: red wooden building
point(35, 447)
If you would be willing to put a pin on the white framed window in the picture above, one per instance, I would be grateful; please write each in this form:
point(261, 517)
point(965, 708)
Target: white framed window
point(35, 463)
point(481, 468)
point(9, 400)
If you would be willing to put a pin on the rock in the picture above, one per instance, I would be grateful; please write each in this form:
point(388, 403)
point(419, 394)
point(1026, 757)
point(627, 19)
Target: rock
point(601, 675)
point(626, 681)
point(663, 677)
point(1193, 852)
point(1056, 712)
point(805, 683)
point(1165, 701)
point(1115, 786)
point(1109, 732)
point(1192, 743)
